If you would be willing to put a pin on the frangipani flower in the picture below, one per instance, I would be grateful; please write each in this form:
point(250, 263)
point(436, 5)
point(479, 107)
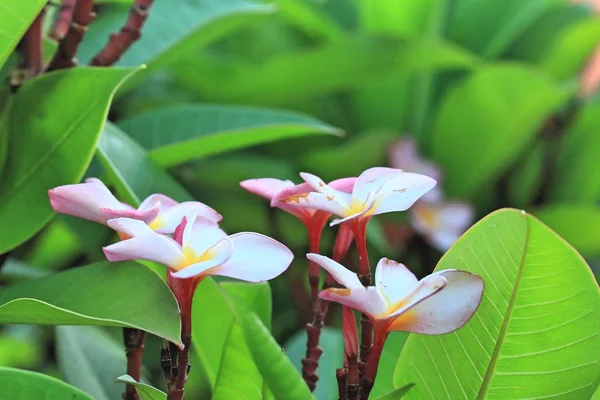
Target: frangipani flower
point(439, 303)
point(376, 191)
point(441, 223)
point(203, 249)
point(93, 201)
point(273, 189)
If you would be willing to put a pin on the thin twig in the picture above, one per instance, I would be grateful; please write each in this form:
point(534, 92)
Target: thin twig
point(134, 346)
point(67, 47)
point(119, 42)
point(31, 46)
point(62, 22)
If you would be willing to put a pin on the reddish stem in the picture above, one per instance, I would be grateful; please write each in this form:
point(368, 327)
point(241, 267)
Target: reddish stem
point(183, 289)
point(359, 229)
point(31, 45)
point(134, 346)
point(119, 42)
point(342, 378)
point(65, 15)
point(370, 373)
point(67, 48)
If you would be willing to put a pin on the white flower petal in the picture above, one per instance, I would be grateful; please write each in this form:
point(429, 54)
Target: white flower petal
point(371, 181)
point(400, 192)
point(367, 300)
point(214, 257)
point(165, 202)
point(145, 244)
point(394, 280)
point(341, 274)
point(255, 258)
point(341, 197)
point(167, 221)
point(266, 187)
point(316, 201)
point(448, 309)
point(201, 234)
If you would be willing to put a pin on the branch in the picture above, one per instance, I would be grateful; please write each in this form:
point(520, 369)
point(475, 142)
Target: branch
point(118, 43)
point(65, 15)
point(67, 48)
point(134, 346)
point(31, 46)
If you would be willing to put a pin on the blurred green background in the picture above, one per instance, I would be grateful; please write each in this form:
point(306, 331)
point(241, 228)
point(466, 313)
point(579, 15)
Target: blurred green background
point(491, 90)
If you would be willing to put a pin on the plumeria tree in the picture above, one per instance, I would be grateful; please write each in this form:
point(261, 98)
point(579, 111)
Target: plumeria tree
point(194, 196)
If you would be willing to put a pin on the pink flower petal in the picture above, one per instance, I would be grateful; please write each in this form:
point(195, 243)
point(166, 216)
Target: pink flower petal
point(255, 258)
point(366, 300)
point(165, 202)
point(147, 215)
point(444, 311)
point(266, 187)
point(394, 280)
point(145, 244)
point(167, 221)
point(84, 200)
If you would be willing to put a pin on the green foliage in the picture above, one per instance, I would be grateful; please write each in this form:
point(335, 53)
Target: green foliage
point(44, 137)
point(384, 384)
point(536, 327)
point(187, 132)
point(146, 392)
point(397, 394)
point(97, 294)
point(15, 18)
point(25, 385)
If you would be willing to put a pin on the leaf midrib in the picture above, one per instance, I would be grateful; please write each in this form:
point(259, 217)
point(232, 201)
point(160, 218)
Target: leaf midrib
point(507, 317)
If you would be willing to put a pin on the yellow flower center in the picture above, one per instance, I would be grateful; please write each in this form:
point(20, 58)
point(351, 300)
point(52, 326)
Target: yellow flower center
point(190, 257)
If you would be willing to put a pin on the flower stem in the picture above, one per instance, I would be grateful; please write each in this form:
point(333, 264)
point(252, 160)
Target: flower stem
point(342, 378)
point(134, 346)
point(368, 379)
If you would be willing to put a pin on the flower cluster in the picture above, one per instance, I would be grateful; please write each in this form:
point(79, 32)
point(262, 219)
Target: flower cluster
point(441, 222)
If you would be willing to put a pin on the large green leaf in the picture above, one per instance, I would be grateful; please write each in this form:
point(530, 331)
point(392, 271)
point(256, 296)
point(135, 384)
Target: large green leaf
point(577, 177)
point(489, 27)
point(49, 145)
point(577, 224)
point(18, 384)
point(396, 394)
point(484, 123)
point(535, 334)
point(307, 17)
point(185, 132)
point(212, 318)
point(171, 33)
point(332, 343)
point(280, 375)
point(131, 171)
point(238, 377)
point(109, 294)
point(146, 392)
point(327, 68)
point(90, 359)
point(15, 18)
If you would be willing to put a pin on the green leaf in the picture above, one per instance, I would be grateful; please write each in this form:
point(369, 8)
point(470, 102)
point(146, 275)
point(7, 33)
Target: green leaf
point(332, 343)
point(212, 307)
point(27, 385)
point(15, 270)
point(485, 122)
point(5, 107)
point(186, 132)
point(397, 394)
point(172, 33)
point(306, 16)
point(292, 76)
point(577, 224)
point(18, 351)
point(146, 392)
point(238, 377)
point(54, 144)
point(535, 333)
point(489, 28)
point(89, 359)
point(384, 384)
point(277, 370)
point(55, 246)
point(131, 171)
point(577, 177)
point(109, 294)
point(525, 182)
point(568, 55)
point(15, 18)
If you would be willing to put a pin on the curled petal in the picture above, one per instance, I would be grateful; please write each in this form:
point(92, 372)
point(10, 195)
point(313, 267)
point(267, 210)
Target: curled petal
point(394, 280)
point(402, 191)
point(201, 234)
point(147, 215)
point(266, 187)
point(343, 185)
point(165, 202)
point(167, 221)
point(341, 274)
point(255, 258)
point(212, 258)
point(84, 200)
point(367, 300)
point(145, 244)
point(343, 198)
point(316, 201)
point(448, 309)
